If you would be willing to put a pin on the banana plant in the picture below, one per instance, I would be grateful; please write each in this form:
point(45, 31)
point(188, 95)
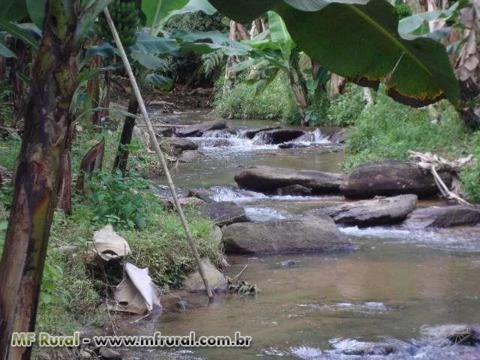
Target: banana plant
point(359, 40)
point(47, 127)
point(274, 51)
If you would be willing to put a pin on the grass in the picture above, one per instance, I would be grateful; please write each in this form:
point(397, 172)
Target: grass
point(274, 103)
point(71, 297)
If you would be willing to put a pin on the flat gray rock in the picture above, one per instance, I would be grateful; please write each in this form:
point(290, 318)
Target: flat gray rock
point(444, 216)
point(312, 234)
point(389, 210)
point(267, 179)
point(224, 213)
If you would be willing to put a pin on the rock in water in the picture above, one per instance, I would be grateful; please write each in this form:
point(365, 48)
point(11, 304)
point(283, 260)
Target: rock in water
point(277, 136)
point(312, 234)
point(198, 129)
point(215, 278)
point(388, 178)
point(191, 156)
point(175, 146)
point(224, 213)
point(444, 216)
point(381, 211)
point(268, 179)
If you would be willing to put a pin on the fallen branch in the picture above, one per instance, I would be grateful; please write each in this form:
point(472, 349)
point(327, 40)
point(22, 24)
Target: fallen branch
point(434, 163)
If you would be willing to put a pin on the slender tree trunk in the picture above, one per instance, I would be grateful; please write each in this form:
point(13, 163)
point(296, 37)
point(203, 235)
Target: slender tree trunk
point(47, 123)
point(121, 159)
point(237, 32)
point(298, 85)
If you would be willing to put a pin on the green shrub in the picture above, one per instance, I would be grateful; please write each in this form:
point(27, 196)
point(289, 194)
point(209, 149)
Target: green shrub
point(347, 107)
point(274, 103)
point(387, 130)
point(116, 200)
point(317, 113)
point(470, 176)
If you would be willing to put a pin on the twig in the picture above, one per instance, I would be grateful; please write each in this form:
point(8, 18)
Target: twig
point(236, 277)
point(159, 152)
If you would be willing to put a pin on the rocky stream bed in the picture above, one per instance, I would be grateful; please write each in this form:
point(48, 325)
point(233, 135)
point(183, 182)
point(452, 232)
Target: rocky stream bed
point(371, 264)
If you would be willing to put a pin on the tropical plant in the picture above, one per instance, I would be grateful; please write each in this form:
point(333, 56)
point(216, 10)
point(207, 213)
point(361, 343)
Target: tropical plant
point(359, 40)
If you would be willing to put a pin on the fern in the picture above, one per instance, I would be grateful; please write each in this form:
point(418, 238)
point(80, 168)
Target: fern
point(212, 61)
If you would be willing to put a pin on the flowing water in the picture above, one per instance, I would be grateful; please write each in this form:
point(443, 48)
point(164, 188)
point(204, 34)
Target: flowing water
point(397, 281)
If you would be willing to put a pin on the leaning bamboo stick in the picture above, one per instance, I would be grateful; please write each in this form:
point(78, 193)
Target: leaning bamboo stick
point(159, 152)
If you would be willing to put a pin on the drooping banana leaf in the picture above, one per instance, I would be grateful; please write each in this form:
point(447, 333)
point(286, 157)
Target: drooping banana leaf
point(359, 40)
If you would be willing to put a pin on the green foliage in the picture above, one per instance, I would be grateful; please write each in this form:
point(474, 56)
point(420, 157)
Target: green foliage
point(242, 102)
point(470, 176)
point(317, 113)
point(387, 130)
point(365, 44)
point(347, 107)
point(116, 200)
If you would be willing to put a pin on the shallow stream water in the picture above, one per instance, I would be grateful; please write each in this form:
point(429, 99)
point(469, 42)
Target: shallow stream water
point(397, 281)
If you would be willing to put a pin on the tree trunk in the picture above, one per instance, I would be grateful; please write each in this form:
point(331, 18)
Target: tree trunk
point(47, 123)
point(238, 33)
point(298, 85)
point(121, 159)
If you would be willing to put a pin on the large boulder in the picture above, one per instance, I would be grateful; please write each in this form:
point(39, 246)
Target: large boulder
point(176, 146)
point(381, 211)
point(444, 216)
point(198, 129)
point(277, 136)
point(224, 213)
point(216, 280)
point(310, 234)
point(388, 178)
point(268, 179)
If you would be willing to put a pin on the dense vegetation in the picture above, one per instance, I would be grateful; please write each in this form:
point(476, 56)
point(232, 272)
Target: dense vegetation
point(277, 70)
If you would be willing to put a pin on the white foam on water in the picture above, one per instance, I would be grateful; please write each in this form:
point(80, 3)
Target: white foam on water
point(306, 352)
point(265, 214)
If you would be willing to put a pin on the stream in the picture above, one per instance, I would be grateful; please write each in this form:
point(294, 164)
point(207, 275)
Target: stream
point(395, 285)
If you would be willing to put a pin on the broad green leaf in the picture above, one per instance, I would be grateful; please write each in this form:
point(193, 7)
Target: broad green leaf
point(361, 42)
point(13, 10)
point(159, 81)
point(208, 41)
point(155, 45)
point(36, 11)
point(149, 61)
point(149, 7)
point(6, 52)
point(411, 24)
point(194, 6)
point(24, 32)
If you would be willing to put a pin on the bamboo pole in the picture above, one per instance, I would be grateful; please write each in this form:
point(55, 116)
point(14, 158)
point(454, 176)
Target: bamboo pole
point(159, 152)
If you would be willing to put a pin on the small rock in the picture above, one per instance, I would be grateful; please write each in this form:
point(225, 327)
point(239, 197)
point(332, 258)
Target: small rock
point(224, 213)
point(215, 278)
point(288, 264)
point(107, 353)
point(361, 348)
point(182, 305)
point(175, 146)
point(164, 132)
point(452, 334)
point(84, 354)
point(191, 156)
